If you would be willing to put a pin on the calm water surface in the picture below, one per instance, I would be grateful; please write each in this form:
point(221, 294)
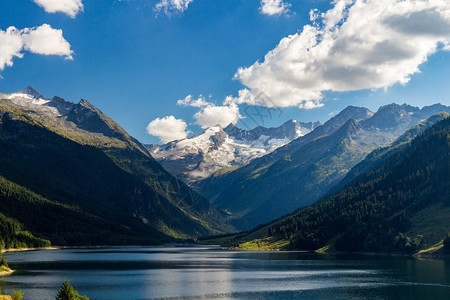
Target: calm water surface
point(208, 273)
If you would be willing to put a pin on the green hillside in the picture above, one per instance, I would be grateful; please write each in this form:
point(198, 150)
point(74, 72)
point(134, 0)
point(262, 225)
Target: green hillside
point(63, 184)
point(401, 205)
point(223, 182)
point(87, 125)
point(273, 185)
point(379, 155)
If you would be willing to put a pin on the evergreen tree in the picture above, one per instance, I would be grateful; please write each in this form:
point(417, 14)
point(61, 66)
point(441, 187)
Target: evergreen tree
point(17, 295)
point(374, 211)
point(3, 262)
point(66, 292)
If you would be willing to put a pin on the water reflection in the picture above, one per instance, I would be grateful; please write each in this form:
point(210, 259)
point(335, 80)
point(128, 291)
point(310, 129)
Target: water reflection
point(149, 273)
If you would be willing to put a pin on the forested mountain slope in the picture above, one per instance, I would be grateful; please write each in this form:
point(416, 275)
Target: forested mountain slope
point(73, 158)
point(319, 163)
point(378, 209)
point(379, 155)
point(213, 186)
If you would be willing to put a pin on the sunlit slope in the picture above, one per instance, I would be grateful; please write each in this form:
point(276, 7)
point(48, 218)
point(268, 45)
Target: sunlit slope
point(265, 190)
point(109, 177)
point(382, 210)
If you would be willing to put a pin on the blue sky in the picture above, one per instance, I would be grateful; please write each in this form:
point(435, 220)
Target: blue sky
point(135, 63)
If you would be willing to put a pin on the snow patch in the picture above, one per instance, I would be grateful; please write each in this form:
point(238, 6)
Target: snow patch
point(200, 156)
point(55, 107)
point(24, 99)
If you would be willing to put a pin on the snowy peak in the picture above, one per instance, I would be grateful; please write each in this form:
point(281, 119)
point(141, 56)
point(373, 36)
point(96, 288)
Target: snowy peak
point(219, 138)
point(83, 116)
point(216, 148)
point(290, 130)
point(293, 129)
point(31, 99)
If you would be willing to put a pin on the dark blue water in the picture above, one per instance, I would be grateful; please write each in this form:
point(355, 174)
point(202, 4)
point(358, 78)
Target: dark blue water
point(205, 273)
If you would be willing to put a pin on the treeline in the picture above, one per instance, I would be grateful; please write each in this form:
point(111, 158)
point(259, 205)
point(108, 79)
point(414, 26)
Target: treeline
point(13, 235)
point(30, 220)
point(74, 194)
point(373, 212)
point(67, 193)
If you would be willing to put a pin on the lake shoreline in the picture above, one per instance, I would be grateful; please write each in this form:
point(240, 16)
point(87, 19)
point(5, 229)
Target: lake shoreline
point(202, 272)
point(12, 250)
point(28, 249)
point(416, 255)
point(7, 272)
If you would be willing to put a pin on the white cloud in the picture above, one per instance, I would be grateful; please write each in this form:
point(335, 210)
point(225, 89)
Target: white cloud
point(190, 101)
point(274, 7)
point(358, 44)
point(11, 44)
point(68, 7)
point(217, 115)
point(46, 41)
point(169, 6)
point(210, 114)
point(42, 40)
point(168, 129)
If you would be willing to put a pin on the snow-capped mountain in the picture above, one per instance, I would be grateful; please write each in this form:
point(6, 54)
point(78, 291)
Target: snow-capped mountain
point(76, 154)
point(226, 148)
point(33, 100)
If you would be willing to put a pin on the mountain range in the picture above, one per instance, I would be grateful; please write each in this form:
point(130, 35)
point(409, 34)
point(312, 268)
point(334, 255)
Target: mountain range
point(302, 171)
point(395, 200)
point(71, 175)
point(194, 159)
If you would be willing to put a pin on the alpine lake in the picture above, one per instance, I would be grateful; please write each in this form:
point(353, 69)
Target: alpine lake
point(213, 273)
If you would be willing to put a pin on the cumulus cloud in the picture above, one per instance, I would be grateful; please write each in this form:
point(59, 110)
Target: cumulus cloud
point(42, 40)
point(168, 129)
point(46, 41)
point(210, 114)
point(357, 44)
point(274, 7)
point(217, 115)
point(190, 101)
point(68, 7)
point(169, 6)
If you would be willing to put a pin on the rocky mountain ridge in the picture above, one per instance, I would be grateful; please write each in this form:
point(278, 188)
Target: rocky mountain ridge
point(75, 161)
point(221, 149)
point(304, 170)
